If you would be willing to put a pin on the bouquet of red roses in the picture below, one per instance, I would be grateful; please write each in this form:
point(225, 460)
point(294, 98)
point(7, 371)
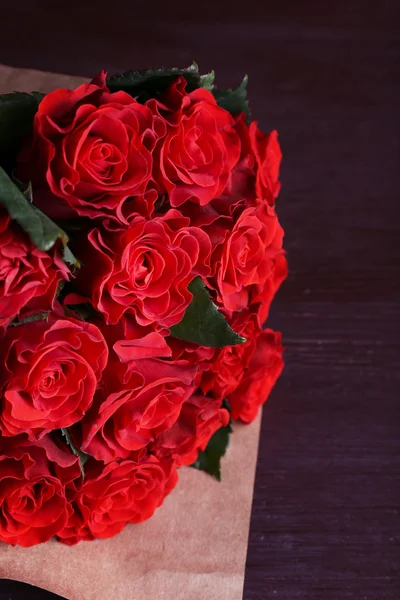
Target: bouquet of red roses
point(139, 254)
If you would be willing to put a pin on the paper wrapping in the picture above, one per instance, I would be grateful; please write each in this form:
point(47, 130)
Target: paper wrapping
point(193, 548)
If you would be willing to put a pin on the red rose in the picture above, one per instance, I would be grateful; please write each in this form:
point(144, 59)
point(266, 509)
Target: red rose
point(248, 259)
point(199, 419)
point(201, 147)
point(141, 396)
point(111, 496)
point(228, 367)
point(145, 269)
point(242, 184)
point(94, 150)
point(261, 373)
point(28, 277)
point(33, 476)
point(250, 183)
point(49, 374)
point(239, 193)
point(193, 355)
point(264, 294)
point(268, 157)
point(255, 177)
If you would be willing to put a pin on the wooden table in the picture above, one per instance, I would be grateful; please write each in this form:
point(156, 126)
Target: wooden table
point(325, 521)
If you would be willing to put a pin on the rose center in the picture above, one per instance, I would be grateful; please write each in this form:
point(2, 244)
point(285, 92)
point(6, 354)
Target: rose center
point(100, 160)
point(142, 269)
point(51, 377)
point(24, 499)
point(243, 254)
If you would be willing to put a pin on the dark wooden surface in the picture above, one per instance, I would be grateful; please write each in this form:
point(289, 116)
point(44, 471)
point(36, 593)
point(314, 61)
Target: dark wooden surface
point(325, 520)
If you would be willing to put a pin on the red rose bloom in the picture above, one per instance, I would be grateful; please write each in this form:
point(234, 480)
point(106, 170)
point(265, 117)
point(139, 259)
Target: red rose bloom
point(255, 177)
point(201, 147)
point(264, 294)
point(141, 396)
point(199, 419)
point(116, 494)
point(145, 269)
point(93, 150)
point(260, 375)
point(33, 502)
point(49, 374)
point(268, 157)
point(242, 184)
point(28, 277)
point(193, 354)
point(228, 367)
point(249, 257)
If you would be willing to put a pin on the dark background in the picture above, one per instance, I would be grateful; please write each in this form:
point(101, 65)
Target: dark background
point(325, 519)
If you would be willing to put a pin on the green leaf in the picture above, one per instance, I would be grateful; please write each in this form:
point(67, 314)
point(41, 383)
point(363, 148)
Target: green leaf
point(152, 82)
point(43, 232)
point(225, 404)
point(235, 101)
point(82, 456)
point(17, 111)
point(42, 316)
point(210, 459)
point(202, 322)
point(69, 258)
point(207, 81)
point(38, 96)
point(85, 311)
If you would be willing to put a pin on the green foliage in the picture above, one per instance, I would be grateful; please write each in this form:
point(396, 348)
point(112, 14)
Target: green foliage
point(202, 322)
point(82, 456)
point(42, 316)
point(235, 101)
point(207, 81)
point(151, 83)
point(43, 232)
point(210, 459)
point(17, 111)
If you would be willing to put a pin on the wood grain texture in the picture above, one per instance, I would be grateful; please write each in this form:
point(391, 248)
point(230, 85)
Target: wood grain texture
point(325, 520)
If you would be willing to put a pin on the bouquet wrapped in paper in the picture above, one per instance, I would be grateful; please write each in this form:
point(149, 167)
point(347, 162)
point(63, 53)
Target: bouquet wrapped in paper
point(140, 250)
